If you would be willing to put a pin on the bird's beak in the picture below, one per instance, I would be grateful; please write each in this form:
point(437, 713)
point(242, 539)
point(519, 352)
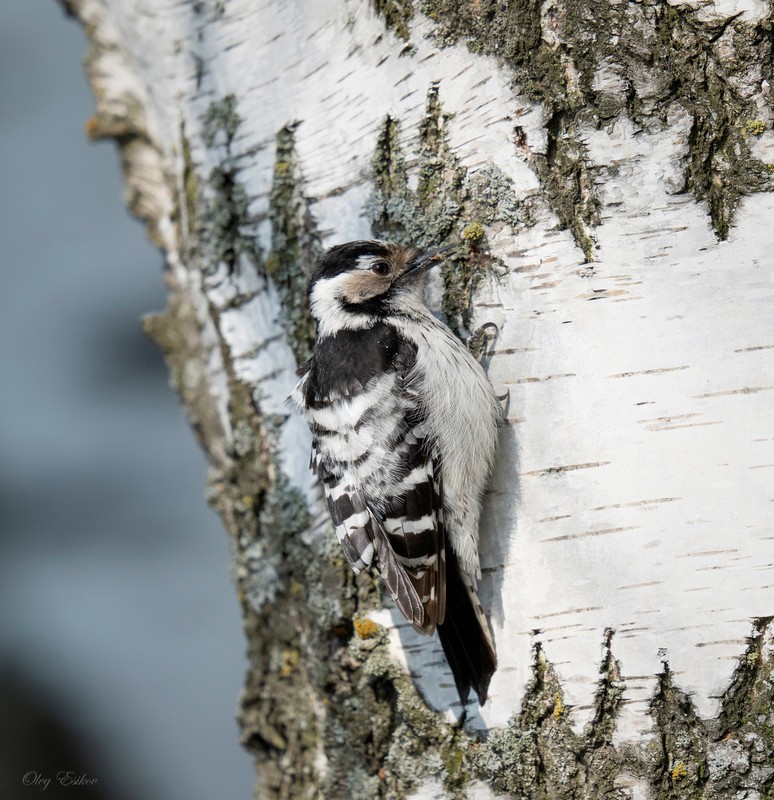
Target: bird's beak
point(424, 261)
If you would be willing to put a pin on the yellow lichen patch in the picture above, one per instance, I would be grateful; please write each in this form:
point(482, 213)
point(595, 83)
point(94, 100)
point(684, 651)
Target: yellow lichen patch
point(108, 126)
point(365, 628)
point(559, 709)
point(753, 127)
point(93, 127)
point(474, 232)
point(679, 771)
point(289, 662)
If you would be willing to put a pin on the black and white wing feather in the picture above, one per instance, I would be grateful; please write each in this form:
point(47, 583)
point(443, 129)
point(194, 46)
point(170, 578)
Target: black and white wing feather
point(377, 462)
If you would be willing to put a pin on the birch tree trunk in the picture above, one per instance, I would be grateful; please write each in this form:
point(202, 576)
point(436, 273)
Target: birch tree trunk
point(606, 170)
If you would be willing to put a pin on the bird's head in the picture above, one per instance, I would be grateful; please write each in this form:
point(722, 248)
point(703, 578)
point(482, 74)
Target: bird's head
point(367, 279)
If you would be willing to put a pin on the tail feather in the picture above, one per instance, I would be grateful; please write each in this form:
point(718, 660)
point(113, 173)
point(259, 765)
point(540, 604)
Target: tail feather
point(465, 635)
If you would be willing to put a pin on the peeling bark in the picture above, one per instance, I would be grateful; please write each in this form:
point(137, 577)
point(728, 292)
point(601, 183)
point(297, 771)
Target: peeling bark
point(606, 172)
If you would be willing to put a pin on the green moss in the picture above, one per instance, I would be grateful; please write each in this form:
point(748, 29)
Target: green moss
point(538, 755)
point(602, 762)
point(517, 747)
point(748, 703)
point(392, 207)
point(277, 709)
point(428, 216)
point(396, 14)
point(512, 31)
point(568, 181)
point(462, 272)
point(295, 245)
point(293, 596)
point(283, 510)
point(720, 166)
point(226, 225)
point(221, 122)
point(455, 765)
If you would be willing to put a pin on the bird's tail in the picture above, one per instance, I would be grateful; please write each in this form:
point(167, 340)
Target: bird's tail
point(465, 634)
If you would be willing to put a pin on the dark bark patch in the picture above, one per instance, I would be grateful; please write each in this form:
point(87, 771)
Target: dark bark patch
point(295, 245)
point(397, 14)
point(661, 56)
point(445, 208)
point(221, 231)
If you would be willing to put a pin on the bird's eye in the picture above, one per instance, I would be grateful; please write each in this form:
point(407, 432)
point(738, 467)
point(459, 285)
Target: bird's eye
point(380, 268)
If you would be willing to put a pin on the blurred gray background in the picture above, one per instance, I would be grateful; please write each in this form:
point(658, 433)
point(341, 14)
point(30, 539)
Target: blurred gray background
point(121, 652)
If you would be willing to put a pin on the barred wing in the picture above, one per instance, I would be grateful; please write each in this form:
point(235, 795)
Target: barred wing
point(402, 532)
point(377, 461)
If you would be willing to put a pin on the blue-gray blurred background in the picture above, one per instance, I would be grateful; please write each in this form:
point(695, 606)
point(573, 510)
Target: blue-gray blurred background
point(121, 652)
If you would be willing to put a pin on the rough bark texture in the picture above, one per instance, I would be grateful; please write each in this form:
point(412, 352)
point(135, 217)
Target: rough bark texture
point(577, 151)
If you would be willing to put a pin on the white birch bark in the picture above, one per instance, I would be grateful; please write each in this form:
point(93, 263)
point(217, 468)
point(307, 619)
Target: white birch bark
point(634, 490)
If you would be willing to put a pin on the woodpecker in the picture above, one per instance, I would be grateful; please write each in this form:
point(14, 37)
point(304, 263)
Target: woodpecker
point(404, 431)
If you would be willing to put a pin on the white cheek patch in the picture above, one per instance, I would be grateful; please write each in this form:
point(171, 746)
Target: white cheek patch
point(325, 302)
